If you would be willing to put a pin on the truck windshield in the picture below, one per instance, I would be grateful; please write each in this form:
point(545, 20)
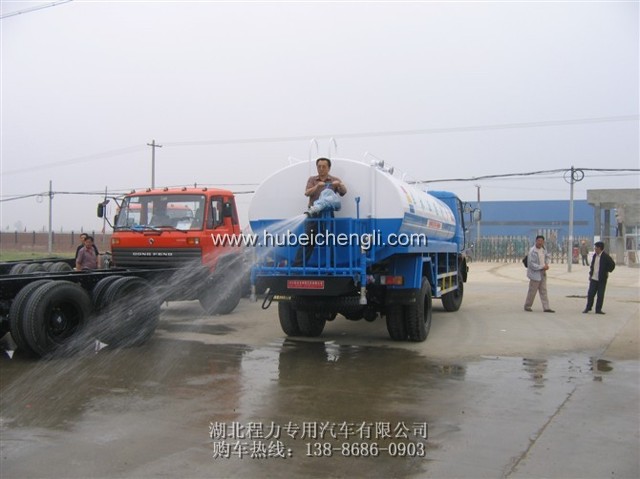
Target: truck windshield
point(178, 211)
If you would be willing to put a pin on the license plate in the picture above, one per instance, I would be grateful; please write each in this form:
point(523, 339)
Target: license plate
point(305, 284)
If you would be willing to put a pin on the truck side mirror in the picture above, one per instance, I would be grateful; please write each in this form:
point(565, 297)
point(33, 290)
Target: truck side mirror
point(227, 210)
point(100, 210)
point(477, 215)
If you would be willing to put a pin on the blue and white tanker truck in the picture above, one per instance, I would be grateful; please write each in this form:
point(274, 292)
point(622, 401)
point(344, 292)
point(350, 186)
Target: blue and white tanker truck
point(387, 249)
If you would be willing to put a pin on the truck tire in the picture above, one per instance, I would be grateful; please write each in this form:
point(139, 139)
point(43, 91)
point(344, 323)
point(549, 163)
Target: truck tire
point(33, 268)
point(18, 268)
point(288, 319)
point(130, 314)
point(47, 265)
point(418, 315)
point(54, 314)
point(99, 291)
point(16, 313)
point(220, 297)
point(311, 324)
point(396, 322)
point(453, 300)
point(60, 267)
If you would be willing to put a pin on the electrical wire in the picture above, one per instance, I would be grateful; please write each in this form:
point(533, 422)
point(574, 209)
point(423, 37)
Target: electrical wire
point(33, 9)
point(425, 131)
point(520, 176)
point(532, 173)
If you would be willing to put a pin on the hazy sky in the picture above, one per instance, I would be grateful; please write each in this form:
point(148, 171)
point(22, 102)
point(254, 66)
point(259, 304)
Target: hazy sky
point(439, 90)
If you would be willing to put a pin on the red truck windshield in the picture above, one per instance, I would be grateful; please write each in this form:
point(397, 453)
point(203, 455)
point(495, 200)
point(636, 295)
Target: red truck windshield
point(182, 212)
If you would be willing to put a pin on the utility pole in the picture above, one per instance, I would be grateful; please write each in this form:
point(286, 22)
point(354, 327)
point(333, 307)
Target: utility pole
point(576, 175)
point(153, 146)
point(477, 252)
point(50, 242)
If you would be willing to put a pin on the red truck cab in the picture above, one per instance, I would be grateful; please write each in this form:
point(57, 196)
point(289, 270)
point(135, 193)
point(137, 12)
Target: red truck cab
point(188, 228)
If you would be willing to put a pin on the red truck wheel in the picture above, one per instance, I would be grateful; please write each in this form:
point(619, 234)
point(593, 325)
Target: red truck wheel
point(130, 314)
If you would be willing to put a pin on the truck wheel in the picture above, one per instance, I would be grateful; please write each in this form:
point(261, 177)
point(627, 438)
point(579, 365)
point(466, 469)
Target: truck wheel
point(16, 313)
point(33, 268)
point(46, 265)
point(395, 322)
point(453, 300)
point(418, 315)
point(55, 313)
point(220, 297)
point(18, 268)
point(130, 314)
point(99, 291)
point(288, 319)
point(311, 324)
point(60, 267)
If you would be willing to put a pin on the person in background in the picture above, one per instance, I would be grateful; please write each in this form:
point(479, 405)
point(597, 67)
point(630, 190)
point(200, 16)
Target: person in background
point(83, 236)
point(601, 266)
point(88, 257)
point(537, 266)
point(584, 252)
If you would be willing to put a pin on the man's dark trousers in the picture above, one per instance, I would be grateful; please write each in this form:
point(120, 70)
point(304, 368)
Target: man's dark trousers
point(596, 287)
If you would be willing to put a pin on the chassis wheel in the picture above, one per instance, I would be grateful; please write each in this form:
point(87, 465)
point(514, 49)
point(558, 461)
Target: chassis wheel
point(99, 291)
point(130, 313)
point(54, 314)
point(18, 268)
point(60, 267)
point(220, 296)
point(34, 268)
point(418, 315)
point(16, 313)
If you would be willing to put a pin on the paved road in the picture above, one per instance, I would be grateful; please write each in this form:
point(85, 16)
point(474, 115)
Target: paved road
point(494, 392)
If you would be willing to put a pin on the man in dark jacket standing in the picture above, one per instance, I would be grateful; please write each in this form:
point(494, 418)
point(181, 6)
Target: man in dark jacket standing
point(601, 266)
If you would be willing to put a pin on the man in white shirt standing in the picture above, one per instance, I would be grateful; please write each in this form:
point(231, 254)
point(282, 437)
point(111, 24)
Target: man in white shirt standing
point(537, 266)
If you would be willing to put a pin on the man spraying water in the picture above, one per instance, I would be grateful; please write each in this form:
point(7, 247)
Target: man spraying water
point(317, 185)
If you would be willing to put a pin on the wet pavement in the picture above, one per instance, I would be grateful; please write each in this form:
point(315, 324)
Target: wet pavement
point(493, 392)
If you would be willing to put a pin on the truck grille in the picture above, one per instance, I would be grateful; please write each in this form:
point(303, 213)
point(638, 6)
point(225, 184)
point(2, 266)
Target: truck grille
point(156, 257)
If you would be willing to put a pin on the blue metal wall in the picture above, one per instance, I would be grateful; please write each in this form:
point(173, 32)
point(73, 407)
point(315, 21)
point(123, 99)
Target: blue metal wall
point(516, 218)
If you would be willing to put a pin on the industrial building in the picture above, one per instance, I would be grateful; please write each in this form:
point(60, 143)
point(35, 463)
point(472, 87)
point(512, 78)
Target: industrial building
point(611, 215)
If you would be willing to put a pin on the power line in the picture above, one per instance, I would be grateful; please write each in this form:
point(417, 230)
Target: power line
point(524, 175)
point(79, 159)
point(426, 131)
point(532, 173)
point(33, 9)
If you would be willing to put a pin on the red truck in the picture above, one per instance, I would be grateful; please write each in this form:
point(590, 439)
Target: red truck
point(186, 228)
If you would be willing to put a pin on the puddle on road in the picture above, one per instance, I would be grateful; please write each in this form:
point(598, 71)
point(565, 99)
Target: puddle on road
point(162, 399)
